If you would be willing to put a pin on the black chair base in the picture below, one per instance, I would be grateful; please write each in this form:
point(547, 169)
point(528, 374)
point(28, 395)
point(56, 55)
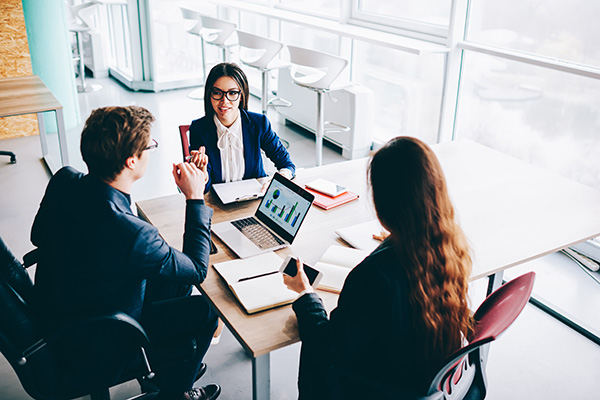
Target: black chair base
point(13, 157)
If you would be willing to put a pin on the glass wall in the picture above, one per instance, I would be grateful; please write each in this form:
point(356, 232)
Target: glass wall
point(565, 30)
point(407, 90)
point(519, 100)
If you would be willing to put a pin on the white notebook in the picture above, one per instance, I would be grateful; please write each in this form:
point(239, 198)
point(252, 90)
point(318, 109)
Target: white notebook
point(257, 282)
point(360, 236)
point(335, 264)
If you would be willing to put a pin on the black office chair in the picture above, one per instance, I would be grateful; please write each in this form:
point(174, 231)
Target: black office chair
point(13, 157)
point(71, 361)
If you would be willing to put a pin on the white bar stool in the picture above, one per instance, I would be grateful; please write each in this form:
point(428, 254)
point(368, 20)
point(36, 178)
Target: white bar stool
point(78, 24)
point(318, 71)
point(259, 52)
point(213, 31)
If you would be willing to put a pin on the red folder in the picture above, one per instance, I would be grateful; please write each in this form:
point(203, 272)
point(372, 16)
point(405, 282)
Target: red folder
point(328, 202)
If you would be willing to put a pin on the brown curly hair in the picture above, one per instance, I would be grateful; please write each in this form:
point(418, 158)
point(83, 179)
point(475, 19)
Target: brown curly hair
point(412, 202)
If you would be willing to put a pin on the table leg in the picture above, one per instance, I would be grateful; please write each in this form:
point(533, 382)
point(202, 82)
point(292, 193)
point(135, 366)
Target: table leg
point(494, 282)
point(261, 377)
point(62, 137)
point(42, 128)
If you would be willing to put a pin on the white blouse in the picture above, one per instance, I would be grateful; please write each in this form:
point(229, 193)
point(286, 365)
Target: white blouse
point(231, 144)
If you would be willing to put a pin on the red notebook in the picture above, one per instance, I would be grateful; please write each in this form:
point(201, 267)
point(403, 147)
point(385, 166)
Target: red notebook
point(327, 202)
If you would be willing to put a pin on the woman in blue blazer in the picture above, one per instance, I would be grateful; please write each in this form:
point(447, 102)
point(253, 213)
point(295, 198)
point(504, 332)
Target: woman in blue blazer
point(228, 140)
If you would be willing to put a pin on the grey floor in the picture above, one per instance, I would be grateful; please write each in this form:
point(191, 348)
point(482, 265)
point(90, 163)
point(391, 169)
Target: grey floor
point(537, 358)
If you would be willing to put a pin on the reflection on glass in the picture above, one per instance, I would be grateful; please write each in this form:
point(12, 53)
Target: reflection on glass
point(407, 90)
point(176, 53)
point(545, 117)
point(300, 36)
point(323, 7)
point(566, 30)
point(436, 12)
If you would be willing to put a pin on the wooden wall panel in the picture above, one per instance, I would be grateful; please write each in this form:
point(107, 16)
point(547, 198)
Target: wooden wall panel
point(14, 61)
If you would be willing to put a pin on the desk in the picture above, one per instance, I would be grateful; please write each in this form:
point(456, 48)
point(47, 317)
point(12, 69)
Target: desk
point(510, 211)
point(29, 95)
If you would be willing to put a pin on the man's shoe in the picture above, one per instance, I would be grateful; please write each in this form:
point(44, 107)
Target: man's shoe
point(208, 392)
point(201, 371)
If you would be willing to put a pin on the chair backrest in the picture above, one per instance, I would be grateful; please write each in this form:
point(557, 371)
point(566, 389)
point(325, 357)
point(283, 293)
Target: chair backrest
point(216, 31)
point(184, 132)
point(464, 372)
point(315, 69)
point(193, 15)
point(81, 16)
point(257, 51)
point(61, 363)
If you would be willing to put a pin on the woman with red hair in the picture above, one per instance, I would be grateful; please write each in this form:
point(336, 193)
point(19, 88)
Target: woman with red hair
point(404, 308)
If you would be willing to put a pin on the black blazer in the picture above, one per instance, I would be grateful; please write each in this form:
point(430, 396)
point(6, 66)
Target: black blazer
point(96, 255)
point(370, 333)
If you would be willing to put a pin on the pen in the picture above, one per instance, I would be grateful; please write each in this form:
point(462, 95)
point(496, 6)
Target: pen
point(247, 197)
point(257, 276)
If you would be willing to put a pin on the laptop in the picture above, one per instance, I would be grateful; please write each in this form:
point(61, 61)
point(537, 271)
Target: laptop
point(275, 223)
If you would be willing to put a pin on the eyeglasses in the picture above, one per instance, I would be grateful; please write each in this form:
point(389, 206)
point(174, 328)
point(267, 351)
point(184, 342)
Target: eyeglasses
point(152, 147)
point(231, 95)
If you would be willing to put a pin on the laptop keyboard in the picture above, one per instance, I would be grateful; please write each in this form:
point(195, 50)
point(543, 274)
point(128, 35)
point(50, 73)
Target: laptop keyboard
point(257, 233)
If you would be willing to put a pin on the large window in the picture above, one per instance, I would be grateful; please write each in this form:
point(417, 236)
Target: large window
point(407, 90)
point(417, 17)
point(566, 30)
point(324, 8)
point(545, 117)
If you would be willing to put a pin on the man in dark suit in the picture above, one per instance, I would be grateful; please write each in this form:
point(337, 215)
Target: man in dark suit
point(98, 257)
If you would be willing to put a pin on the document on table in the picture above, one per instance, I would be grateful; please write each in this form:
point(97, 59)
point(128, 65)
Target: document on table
point(360, 236)
point(232, 192)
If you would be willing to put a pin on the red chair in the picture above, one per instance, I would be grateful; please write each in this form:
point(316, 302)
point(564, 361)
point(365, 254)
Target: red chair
point(462, 376)
point(184, 131)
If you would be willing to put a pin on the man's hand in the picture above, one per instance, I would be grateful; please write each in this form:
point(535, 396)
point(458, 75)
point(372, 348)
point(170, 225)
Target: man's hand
point(200, 160)
point(190, 180)
point(298, 283)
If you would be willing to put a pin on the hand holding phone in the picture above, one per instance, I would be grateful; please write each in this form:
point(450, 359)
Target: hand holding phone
point(289, 267)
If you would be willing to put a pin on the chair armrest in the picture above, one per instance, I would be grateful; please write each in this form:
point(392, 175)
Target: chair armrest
point(31, 258)
point(117, 320)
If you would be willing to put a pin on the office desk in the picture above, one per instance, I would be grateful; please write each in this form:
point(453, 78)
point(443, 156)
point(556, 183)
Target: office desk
point(510, 211)
point(29, 95)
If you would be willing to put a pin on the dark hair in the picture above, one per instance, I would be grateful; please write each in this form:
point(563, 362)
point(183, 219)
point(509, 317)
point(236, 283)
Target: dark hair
point(111, 135)
point(411, 199)
point(234, 72)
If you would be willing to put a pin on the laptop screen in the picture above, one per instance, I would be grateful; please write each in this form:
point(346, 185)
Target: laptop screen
point(284, 207)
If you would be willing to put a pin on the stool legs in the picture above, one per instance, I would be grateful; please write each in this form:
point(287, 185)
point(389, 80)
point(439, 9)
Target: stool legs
point(320, 128)
point(81, 60)
point(264, 97)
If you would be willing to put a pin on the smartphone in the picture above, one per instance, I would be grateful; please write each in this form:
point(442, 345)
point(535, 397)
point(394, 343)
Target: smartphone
point(289, 268)
point(326, 187)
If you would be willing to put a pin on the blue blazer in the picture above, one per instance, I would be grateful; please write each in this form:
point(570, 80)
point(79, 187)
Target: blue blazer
point(257, 135)
point(96, 255)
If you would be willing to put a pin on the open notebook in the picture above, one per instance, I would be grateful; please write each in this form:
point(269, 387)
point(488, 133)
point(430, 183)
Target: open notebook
point(257, 282)
point(335, 264)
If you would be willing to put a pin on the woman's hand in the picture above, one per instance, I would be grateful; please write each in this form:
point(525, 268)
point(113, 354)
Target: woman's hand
point(200, 160)
point(298, 283)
